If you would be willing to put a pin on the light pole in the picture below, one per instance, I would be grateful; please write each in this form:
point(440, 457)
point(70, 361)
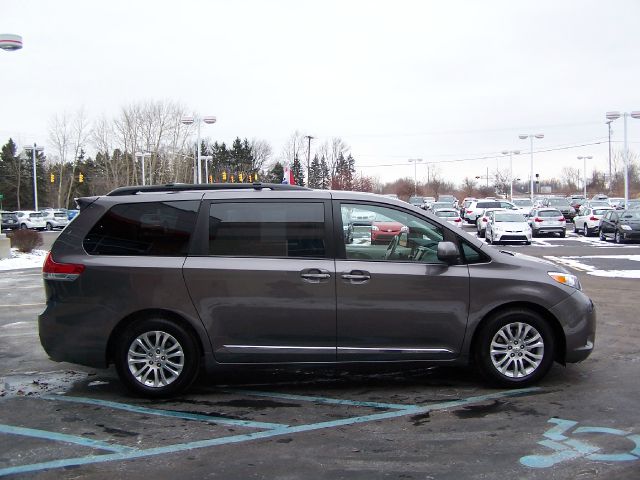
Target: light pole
point(608, 122)
point(10, 42)
point(415, 174)
point(309, 138)
point(206, 159)
point(614, 116)
point(584, 181)
point(531, 136)
point(511, 153)
point(141, 156)
point(199, 120)
point(34, 149)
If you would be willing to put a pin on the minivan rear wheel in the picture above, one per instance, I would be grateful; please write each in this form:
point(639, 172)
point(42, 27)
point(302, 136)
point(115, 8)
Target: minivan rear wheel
point(156, 357)
point(515, 348)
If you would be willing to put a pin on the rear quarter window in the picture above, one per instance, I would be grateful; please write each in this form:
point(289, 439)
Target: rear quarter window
point(154, 229)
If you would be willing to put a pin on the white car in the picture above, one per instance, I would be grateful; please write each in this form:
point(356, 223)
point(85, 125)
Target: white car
point(55, 218)
point(587, 220)
point(451, 215)
point(505, 226)
point(31, 219)
point(524, 205)
point(481, 222)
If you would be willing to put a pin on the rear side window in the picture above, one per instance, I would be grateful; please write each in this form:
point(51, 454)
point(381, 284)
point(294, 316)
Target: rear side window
point(268, 229)
point(488, 205)
point(155, 228)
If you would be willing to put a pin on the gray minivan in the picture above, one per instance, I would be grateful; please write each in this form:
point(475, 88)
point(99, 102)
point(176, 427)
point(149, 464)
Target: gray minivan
point(165, 280)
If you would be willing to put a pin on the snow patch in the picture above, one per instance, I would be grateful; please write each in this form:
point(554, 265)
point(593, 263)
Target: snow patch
point(19, 260)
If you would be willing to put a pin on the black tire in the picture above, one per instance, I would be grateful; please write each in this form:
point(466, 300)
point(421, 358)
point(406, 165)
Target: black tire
point(534, 330)
point(602, 237)
point(563, 233)
point(527, 242)
point(576, 230)
point(617, 238)
point(23, 226)
point(176, 339)
point(587, 231)
point(49, 227)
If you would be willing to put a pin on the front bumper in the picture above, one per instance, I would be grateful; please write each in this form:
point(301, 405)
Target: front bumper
point(577, 317)
point(505, 236)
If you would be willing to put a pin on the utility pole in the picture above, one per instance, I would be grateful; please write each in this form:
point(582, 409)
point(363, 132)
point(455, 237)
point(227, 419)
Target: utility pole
point(608, 122)
point(309, 138)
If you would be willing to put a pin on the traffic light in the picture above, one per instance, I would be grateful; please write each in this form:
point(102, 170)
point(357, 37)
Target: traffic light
point(255, 177)
point(53, 178)
point(210, 178)
point(250, 178)
point(80, 177)
point(240, 177)
point(224, 176)
point(232, 179)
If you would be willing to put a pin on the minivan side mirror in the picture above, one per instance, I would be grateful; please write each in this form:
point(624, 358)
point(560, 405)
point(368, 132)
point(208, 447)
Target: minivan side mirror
point(448, 252)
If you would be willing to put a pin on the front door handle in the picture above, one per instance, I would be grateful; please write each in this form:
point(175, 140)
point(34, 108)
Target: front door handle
point(356, 276)
point(315, 275)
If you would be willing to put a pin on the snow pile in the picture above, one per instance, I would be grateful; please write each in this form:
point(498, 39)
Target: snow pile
point(19, 260)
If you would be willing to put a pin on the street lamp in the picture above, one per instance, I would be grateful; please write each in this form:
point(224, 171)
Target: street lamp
point(10, 42)
point(614, 116)
point(511, 153)
point(531, 136)
point(141, 156)
point(585, 158)
point(35, 149)
point(415, 177)
point(208, 119)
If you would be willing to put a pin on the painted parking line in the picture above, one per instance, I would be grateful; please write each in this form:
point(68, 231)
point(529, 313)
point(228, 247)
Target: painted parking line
point(277, 431)
point(63, 437)
point(328, 401)
point(163, 413)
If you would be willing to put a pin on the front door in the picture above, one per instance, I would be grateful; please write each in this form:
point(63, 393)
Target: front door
point(395, 299)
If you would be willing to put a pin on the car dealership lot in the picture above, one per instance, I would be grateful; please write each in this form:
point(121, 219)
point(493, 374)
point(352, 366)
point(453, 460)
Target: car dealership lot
point(63, 421)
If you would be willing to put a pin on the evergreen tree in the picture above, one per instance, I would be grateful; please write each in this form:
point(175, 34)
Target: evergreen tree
point(325, 178)
point(315, 173)
point(296, 169)
point(275, 174)
point(12, 177)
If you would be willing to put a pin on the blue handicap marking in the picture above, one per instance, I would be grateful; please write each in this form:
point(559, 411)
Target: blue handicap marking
point(565, 448)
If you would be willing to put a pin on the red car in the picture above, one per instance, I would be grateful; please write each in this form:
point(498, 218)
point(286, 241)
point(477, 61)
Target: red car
point(383, 230)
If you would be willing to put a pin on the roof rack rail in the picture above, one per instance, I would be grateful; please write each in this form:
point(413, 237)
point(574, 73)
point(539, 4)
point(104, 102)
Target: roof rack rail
point(184, 187)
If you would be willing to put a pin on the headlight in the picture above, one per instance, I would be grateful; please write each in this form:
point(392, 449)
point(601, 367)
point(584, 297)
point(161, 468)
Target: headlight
point(374, 227)
point(626, 227)
point(566, 279)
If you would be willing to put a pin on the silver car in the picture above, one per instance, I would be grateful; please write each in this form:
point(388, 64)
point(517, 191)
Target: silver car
point(544, 221)
point(165, 281)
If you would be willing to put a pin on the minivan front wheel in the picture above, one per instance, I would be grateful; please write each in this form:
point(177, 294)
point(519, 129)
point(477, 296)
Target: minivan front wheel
point(156, 357)
point(515, 348)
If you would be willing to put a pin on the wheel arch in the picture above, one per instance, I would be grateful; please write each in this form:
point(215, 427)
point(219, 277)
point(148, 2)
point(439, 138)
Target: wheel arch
point(560, 341)
point(151, 313)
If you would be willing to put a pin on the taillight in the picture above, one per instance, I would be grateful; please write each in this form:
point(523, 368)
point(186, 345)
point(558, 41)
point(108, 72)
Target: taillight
point(52, 270)
point(458, 220)
point(484, 219)
point(593, 219)
point(538, 219)
point(561, 219)
point(469, 211)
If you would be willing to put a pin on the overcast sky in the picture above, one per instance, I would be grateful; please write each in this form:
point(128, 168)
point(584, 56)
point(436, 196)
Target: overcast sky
point(441, 81)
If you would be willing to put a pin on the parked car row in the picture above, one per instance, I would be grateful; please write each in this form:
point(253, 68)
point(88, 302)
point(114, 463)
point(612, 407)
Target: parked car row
point(46, 219)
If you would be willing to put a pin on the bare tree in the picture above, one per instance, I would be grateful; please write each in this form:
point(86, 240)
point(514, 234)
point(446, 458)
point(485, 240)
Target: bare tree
point(260, 153)
point(571, 178)
point(294, 148)
point(69, 138)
